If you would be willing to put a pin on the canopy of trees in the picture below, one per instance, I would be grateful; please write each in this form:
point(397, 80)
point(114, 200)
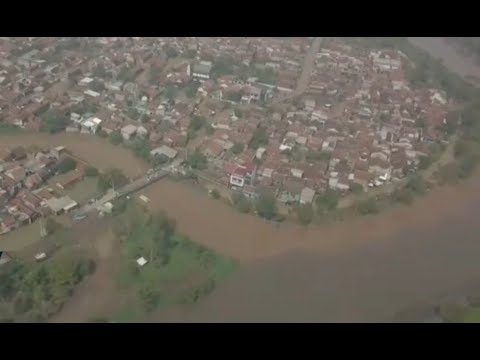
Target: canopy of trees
point(34, 292)
point(115, 137)
point(327, 200)
point(53, 122)
point(260, 138)
point(266, 206)
point(305, 213)
point(197, 161)
point(240, 202)
point(178, 270)
point(197, 122)
point(141, 149)
point(237, 148)
point(66, 164)
point(111, 177)
point(91, 171)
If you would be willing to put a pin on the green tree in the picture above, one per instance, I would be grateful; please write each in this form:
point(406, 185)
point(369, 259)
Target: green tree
point(191, 89)
point(367, 207)
point(215, 194)
point(53, 122)
point(51, 226)
point(404, 196)
point(159, 159)
point(66, 164)
point(328, 200)
point(115, 137)
point(91, 171)
point(266, 206)
point(237, 148)
point(240, 202)
point(141, 149)
point(170, 92)
point(111, 177)
point(260, 138)
point(356, 188)
point(417, 184)
point(425, 162)
point(197, 161)
point(305, 213)
point(197, 122)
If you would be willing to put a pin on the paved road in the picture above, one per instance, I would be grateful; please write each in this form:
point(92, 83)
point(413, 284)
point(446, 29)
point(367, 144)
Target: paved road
point(303, 81)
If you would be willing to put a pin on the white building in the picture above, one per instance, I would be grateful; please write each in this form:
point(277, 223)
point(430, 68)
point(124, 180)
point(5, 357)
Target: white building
point(201, 71)
point(128, 131)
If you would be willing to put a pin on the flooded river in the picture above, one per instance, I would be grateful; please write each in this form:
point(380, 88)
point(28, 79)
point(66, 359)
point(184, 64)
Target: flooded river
point(362, 271)
point(365, 270)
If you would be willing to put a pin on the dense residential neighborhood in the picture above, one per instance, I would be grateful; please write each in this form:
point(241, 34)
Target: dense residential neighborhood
point(218, 104)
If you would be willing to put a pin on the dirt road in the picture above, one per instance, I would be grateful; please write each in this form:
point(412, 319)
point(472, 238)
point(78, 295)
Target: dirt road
point(303, 80)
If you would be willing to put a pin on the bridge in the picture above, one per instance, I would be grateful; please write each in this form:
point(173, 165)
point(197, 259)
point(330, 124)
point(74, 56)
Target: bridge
point(128, 189)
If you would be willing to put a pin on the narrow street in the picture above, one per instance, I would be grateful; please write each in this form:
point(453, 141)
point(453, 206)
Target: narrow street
point(303, 80)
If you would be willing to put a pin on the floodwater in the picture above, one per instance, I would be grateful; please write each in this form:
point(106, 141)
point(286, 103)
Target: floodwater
point(365, 270)
point(362, 271)
point(438, 48)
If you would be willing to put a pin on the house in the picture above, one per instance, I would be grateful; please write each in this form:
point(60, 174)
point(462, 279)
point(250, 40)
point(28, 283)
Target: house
point(201, 71)
point(307, 195)
point(17, 174)
point(128, 131)
point(59, 205)
point(213, 149)
point(164, 150)
point(30, 200)
point(291, 191)
point(69, 179)
point(91, 125)
point(297, 173)
point(8, 223)
point(237, 178)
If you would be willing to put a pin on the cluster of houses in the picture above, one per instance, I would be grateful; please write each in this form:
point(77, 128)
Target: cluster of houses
point(24, 193)
point(358, 123)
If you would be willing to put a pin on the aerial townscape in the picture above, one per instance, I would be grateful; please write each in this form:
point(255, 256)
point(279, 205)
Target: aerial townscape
point(290, 130)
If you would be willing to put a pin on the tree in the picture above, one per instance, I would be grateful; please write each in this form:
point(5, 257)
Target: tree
point(66, 164)
point(170, 92)
point(91, 171)
point(417, 184)
point(51, 226)
point(141, 149)
point(266, 206)
point(111, 177)
point(260, 138)
point(237, 148)
point(404, 196)
point(102, 133)
point(159, 159)
point(197, 122)
point(425, 162)
point(305, 213)
point(241, 202)
point(215, 194)
point(327, 200)
point(115, 137)
point(191, 89)
point(356, 188)
point(368, 206)
point(197, 161)
point(53, 122)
